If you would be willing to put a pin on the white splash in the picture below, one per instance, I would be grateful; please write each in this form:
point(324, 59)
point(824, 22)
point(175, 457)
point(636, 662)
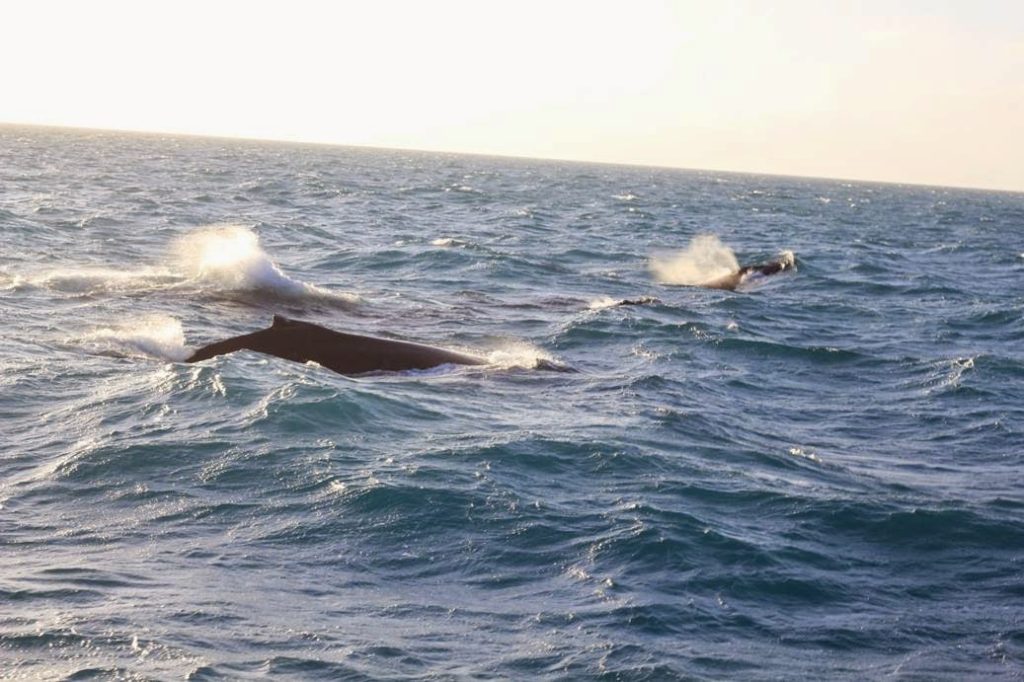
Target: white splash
point(604, 302)
point(9, 282)
point(957, 368)
point(154, 336)
point(805, 454)
point(447, 241)
point(705, 259)
point(229, 257)
point(520, 355)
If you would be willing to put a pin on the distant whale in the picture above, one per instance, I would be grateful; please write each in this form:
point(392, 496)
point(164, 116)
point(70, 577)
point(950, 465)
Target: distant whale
point(785, 261)
point(343, 353)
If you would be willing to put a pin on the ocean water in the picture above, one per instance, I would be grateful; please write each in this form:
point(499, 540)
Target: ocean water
point(820, 476)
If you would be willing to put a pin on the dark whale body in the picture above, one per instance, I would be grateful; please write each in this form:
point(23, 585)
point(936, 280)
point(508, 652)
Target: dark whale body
point(784, 262)
point(343, 353)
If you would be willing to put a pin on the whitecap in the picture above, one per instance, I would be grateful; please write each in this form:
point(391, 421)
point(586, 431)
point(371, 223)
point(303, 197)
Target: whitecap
point(957, 368)
point(800, 452)
point(447, 241)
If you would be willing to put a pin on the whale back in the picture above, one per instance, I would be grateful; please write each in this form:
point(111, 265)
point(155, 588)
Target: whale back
point(785, 261)
point(339, 351)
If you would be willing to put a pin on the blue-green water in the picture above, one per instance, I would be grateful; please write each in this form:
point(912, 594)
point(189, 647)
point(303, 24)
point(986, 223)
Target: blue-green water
point(818, 477)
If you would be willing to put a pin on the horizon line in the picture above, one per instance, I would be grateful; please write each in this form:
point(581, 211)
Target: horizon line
point(242, 138)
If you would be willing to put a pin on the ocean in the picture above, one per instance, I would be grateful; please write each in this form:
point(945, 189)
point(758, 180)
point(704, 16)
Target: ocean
point(818, 476)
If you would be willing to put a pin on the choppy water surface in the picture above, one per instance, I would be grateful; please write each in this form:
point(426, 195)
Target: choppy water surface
point(820, 476)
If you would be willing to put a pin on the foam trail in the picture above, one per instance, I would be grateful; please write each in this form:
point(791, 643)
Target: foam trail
point(154, 336)
point(95, 280)
point(704, 260)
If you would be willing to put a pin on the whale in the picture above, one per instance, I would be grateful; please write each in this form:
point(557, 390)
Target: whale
point(747, 273)
point(344, 353)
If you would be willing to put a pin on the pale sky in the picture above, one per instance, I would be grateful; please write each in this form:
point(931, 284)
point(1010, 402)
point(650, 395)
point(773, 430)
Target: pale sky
point(910, 91)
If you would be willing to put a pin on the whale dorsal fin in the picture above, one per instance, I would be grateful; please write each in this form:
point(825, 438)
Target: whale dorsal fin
point(281, 321)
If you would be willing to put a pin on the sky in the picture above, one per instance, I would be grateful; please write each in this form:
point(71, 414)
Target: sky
point(914, 91)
